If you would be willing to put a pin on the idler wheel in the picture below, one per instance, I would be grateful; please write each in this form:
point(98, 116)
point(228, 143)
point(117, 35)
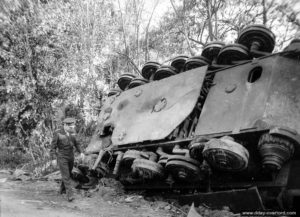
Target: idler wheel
point(275, 150)
point(178, 62)
point(196, 148)
point(231, 53)
point(257, 37)
point(195, 62)
point(226, 155)
point(124, 80)
point(147, 169)
point(183, 168)
point(149, 68)
point(151, 156)
point(164, 71)
point(130, 156)
point(163, 160)
point(137, 82)
point(113, 92)
point(212, 49)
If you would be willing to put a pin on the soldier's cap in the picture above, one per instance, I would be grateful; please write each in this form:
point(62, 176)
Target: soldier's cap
point(69, 120)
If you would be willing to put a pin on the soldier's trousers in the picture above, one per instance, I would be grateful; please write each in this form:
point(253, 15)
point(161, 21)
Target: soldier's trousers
point(65, 167)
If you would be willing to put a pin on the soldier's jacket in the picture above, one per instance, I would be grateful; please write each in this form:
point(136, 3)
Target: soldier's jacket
point(62, 145)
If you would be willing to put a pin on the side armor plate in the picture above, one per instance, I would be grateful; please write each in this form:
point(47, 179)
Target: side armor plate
point(152, 111)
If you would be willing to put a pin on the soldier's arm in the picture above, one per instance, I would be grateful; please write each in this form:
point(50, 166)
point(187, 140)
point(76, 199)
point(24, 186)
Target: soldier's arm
point(54, 146)
point(77, 145)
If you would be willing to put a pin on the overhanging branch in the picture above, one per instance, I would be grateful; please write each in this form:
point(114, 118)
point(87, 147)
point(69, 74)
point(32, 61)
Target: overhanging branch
point(131, 62)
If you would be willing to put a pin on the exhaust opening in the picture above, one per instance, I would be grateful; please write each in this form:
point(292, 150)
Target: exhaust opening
point(255, 74)
point(107, 130)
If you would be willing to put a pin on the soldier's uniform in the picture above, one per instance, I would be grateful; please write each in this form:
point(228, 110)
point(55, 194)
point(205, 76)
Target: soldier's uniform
point(62, 146)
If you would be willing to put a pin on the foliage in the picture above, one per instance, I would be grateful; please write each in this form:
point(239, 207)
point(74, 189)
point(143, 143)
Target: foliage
point(67, 52)
point(41, 47)
point(11, 153)
point(208, 20)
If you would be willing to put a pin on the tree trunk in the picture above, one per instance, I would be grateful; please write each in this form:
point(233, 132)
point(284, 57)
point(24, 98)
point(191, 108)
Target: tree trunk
point(147, 33)
point(264, 12)
point(123, 29)
point(210, 28)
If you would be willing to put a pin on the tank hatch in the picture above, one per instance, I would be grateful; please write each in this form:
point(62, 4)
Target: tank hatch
point(152, 111)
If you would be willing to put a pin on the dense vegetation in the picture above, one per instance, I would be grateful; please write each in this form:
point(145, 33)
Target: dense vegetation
point(58, 54)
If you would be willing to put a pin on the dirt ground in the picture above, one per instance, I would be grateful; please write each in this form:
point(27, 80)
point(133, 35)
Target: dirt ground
point(40, 198)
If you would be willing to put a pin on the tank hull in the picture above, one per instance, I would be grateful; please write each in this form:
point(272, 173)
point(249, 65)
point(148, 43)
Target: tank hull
point(157, 135)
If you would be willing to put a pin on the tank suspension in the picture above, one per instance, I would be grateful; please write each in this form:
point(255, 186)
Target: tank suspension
point(147, 168)
point(184, 130)
point(226, 155)
point(163, 156)
point(193, 127)
point(120, 155)
point(275, 150)
point(180, 151)
point(99, 158)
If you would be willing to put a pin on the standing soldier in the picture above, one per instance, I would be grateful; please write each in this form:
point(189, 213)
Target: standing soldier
point(62, 146)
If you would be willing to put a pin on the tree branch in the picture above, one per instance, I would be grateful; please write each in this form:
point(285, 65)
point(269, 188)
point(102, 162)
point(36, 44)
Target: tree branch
point(196, 41)
point(147, 32)
point(123, 29)
point(131, 62)
point(184, 30)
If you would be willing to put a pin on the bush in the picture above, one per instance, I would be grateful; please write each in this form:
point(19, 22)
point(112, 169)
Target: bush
point(11, 155)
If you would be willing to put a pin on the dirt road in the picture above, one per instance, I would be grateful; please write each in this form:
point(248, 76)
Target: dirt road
point(40, 198)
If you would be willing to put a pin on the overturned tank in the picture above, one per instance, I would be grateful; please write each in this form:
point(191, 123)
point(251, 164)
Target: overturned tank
point(223, 125)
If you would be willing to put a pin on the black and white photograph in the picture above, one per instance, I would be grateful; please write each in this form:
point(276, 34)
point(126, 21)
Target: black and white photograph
point(149, 108)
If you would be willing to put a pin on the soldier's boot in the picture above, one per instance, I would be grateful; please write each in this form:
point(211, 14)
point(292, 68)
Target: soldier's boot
point(62, 189)
point(70, 196)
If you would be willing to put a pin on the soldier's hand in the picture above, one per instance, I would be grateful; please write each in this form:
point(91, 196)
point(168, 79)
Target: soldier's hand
point(54, 163)
point(82, 156)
